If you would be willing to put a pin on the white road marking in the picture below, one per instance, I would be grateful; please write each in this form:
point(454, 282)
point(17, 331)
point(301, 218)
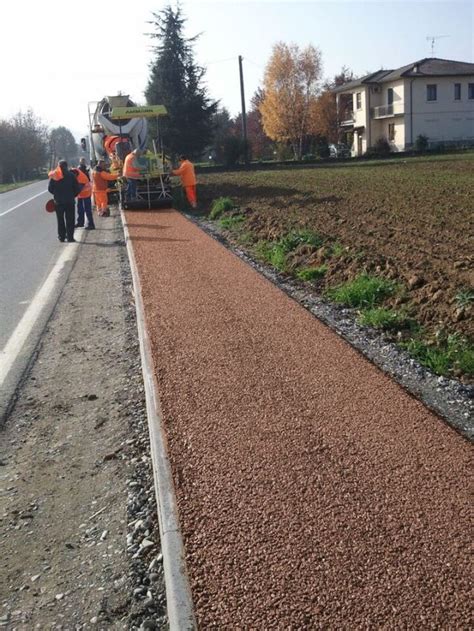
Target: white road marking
point(5, 212)
point(19, 336)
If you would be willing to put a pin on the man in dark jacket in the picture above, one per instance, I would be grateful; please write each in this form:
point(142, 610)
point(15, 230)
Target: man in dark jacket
point(64, 187)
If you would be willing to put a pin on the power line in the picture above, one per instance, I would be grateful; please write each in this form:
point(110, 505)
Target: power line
point(254, 63)
point(219, 61)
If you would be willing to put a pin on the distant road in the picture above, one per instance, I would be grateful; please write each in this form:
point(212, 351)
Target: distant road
point(29, 253)
point(28, 249)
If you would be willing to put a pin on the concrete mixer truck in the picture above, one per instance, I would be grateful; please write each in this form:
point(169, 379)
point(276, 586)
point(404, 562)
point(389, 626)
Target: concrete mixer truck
point(117, 126)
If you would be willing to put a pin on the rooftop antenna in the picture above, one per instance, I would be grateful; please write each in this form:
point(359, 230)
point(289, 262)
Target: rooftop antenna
point(432, 39)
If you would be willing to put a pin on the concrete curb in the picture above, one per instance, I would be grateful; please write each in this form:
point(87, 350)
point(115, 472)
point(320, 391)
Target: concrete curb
point(178, 593)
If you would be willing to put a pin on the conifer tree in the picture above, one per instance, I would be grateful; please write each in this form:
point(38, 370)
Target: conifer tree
point(176, 81)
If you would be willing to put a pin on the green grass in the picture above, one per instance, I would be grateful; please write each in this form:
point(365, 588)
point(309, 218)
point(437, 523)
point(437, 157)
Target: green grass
point(296, 238)
point(231, 222)
point(363, 291)
point(276, 252)
point(220, 206)
point(272, 253)
point(464, 298)
point(10, 187)
point(312, 273)
point(386, 319)
point(452, 353)
point(336, 250)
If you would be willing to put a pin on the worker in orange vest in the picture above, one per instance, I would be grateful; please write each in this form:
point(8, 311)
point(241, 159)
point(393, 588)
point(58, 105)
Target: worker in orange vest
point(131, 171)
point(188, 179)
point(100, 178)
point(84, 202)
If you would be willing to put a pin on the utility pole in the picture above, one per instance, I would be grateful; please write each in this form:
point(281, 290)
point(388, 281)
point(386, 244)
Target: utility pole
point(244, 115)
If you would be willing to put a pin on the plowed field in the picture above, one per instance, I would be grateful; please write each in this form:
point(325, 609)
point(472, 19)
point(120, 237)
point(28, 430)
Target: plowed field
point(408, 220)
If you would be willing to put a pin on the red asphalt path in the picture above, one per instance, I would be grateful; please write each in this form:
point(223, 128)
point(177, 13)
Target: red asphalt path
point(313, 491)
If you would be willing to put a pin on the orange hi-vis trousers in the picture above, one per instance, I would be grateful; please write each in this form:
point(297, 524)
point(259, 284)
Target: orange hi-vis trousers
point(191, 194)
point(101, 201)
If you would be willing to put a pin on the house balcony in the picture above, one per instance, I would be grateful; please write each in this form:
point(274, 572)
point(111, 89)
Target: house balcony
point(348, 120)
point(387, 111)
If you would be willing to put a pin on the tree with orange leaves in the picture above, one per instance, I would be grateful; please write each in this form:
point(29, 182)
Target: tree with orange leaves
point(291, 87)
point(324, 115)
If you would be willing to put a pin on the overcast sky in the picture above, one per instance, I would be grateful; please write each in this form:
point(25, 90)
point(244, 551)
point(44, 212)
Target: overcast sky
point(56, 57)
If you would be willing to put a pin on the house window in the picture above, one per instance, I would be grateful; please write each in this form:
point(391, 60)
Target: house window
point(359, 100)
point(431, 92)
point(470, 91)
point(457, 91)
point(390, 96)
point(391, 132)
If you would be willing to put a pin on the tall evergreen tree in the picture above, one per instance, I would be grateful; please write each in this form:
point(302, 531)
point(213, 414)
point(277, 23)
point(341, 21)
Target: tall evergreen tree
point(176, 81)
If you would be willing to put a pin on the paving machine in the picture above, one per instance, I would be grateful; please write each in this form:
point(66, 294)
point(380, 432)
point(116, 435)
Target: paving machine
point(117, 126)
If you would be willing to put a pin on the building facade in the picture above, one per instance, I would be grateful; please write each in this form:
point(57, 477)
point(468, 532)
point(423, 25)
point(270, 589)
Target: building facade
point(431, 97)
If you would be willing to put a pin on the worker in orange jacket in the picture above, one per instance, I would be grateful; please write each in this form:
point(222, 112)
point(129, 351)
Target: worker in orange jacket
point(84, 202)
point(131, 171)
point(100, 179)
point(188, 179)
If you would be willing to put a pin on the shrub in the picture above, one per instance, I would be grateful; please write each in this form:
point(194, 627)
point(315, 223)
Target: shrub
point(363, 291)
point(219, 206)
point(421, 143)
point(283, 151)
point(322, 149)
point(233, 149)
point(381, 149)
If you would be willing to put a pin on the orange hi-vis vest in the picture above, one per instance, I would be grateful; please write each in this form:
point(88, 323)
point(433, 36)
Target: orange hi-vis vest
point(56, 174)
point(130, 169)
point(186, 173)
point(82, 178)
point(100, 179)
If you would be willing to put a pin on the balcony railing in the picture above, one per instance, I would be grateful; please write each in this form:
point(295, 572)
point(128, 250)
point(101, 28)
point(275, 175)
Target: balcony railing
point(347, 119)
point(383, 111)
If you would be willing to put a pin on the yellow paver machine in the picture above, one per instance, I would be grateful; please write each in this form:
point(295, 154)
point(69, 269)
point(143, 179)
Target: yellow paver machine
point(117, 127)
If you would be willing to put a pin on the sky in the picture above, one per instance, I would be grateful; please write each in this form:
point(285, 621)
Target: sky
point(56, 58)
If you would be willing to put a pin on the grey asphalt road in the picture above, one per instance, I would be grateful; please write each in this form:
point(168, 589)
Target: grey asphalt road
point(28, 250)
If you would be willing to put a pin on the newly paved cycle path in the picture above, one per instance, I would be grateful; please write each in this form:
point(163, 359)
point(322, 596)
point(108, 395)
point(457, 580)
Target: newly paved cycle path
point(313, 491)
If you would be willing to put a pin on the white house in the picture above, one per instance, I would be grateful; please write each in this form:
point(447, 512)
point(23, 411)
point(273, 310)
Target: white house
point(433, 97)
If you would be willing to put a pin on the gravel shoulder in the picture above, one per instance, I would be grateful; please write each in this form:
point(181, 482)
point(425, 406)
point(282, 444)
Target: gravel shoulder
point(78, 526)
point(313, 491)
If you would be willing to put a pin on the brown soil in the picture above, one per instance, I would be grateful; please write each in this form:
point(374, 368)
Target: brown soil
point(409, 220)
point(313, 491)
